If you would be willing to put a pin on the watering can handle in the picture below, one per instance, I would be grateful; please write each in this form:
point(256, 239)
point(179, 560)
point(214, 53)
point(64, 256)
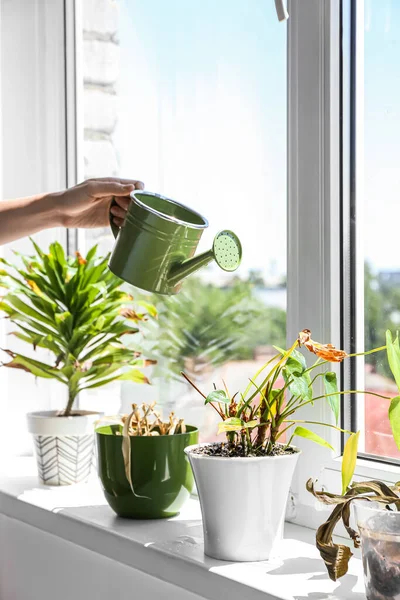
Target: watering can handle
point(113, 226)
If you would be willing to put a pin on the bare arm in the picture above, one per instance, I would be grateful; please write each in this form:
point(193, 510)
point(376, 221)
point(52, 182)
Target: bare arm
point(86, 205)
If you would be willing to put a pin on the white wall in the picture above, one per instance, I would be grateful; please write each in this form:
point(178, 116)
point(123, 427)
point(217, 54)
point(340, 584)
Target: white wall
point(35, 564)
point(33, 160)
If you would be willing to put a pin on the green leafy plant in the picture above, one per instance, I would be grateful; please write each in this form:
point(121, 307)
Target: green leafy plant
point(205, 326)
point(337, 556)
point(256, 419)
point(74, 308)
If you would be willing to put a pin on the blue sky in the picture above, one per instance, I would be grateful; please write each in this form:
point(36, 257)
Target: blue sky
point(202, 118)
point(202, 115)
point(382, 133)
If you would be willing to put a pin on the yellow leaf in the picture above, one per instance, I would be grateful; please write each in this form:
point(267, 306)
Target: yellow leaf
point(34, 287)
point(349, 460)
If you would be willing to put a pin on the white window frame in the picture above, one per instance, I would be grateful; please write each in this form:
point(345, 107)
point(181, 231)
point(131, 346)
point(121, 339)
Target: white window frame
point(314, 223)
point(33, 156)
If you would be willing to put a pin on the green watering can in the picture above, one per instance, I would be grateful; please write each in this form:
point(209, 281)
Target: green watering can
point(155, 246)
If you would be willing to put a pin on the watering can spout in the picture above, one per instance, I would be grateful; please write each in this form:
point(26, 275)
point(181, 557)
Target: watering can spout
point(226, 251)
point(189, 266)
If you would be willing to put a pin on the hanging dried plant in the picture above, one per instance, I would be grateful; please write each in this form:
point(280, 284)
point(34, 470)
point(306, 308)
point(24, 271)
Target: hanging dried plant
point(336, 556)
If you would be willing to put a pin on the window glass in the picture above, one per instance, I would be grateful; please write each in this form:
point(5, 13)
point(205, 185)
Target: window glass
point(380, 102)
point(191, 98)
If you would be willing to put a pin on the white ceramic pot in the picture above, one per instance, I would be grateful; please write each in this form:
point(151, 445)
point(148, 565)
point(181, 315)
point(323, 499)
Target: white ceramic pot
point(64, 446)
point(243, 503)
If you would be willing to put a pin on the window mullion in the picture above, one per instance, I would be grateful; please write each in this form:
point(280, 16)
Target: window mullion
point(314, 196)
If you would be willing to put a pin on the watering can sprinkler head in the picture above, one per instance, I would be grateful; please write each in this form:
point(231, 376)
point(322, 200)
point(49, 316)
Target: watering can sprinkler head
point(226, 251)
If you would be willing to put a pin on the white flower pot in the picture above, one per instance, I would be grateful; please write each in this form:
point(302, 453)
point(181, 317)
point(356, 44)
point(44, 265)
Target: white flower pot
point(64, 446)
point(243, 503)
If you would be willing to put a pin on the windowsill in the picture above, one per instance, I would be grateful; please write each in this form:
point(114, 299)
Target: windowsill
point(172, 549)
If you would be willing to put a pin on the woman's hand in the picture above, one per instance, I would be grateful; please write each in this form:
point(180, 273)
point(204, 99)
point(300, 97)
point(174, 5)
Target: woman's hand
point(87, 205)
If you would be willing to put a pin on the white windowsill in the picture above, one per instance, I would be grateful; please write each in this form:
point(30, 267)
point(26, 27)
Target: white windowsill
point(171, 550)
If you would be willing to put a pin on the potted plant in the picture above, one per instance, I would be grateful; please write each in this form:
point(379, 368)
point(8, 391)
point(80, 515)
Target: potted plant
point(73, 308)
point(243, 483)
point(198, 331)
point(377, 511)
point(142, 465)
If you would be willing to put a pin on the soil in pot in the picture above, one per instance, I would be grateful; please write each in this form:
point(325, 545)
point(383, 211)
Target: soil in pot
point(227, 450)
point(381, 556)
point(161, 476)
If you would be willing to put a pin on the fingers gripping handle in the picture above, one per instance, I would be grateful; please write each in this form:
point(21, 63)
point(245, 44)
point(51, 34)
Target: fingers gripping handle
point(113, 226)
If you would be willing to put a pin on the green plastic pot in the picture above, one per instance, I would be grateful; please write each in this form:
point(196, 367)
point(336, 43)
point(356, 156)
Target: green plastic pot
point(162, 478)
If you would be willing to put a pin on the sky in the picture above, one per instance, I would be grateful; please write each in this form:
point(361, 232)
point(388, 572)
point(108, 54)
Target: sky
point(382, 134)
point(202, 119)
point(202, 115)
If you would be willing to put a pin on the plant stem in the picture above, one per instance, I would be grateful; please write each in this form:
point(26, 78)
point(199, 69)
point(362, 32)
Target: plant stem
point(325, 362)
point(221, 414)
point(287, 414)
point(70, 403)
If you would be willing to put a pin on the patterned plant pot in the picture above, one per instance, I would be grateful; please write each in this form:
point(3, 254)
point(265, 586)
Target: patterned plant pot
point(64, 446)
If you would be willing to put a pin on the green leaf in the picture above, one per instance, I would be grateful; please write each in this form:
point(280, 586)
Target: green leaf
point(331, 387)
point(133, 375)
point(394, 418)
point(35, 367)
point(217, 396)
point(235, 424)
point(231, 424)
point(299, 385)
point(349, 460)
point(28, 310)
point(91, 254)
point(310, 435)
point(150, 308)
point(393, 354)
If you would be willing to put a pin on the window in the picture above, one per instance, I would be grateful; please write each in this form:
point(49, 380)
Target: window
point(375, 271)
point(191, 98)
point(32, 118)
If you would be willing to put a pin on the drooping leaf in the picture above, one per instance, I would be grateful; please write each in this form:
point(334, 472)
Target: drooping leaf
point(337, 556)
point(37, 368)
point(393, 354)
point(394, 418)
point(331, 387)
point(349, 460)
point(217, 396)
point(310, 435)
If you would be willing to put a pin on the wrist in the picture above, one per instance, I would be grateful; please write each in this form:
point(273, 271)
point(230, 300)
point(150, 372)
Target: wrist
point(51, 210)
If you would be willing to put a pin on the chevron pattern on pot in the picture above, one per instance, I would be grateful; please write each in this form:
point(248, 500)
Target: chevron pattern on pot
point(63, 460)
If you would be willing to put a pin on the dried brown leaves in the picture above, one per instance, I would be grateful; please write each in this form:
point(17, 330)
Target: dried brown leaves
point(337, 556)
point(324, 351)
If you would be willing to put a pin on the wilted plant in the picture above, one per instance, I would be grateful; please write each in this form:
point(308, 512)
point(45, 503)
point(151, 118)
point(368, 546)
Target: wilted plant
point(148, 422)
point(256, 419)
point(74, 308)
point(337, 556)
